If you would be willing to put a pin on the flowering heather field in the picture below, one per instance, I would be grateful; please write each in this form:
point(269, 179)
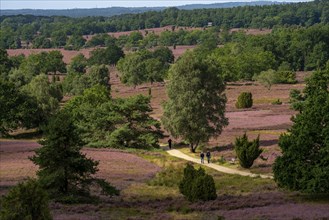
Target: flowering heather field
point(119, 168)
point(238, 197)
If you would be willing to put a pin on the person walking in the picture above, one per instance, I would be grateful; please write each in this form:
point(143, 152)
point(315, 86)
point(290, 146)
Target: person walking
point(202, 157)
point(169, 143)
point(208, 156)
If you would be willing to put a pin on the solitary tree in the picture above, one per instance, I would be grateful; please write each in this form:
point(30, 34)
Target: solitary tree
point(304, 163)
point(63, 169)
point(196, 105)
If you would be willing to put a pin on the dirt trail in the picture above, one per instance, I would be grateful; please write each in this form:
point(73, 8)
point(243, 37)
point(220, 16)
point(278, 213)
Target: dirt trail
point(179, 154)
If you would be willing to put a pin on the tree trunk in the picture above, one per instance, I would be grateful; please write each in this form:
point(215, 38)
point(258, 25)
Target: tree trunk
point(192, 149)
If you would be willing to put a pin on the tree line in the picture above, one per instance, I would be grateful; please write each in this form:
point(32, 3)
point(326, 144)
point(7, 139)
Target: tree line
point(27, 28)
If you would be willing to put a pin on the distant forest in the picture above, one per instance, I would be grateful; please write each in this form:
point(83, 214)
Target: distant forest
point(108, 12)
point(54, 31)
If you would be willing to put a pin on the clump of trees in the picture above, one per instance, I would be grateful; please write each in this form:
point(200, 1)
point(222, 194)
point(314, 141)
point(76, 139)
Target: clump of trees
point(28, 99)
point(18, 109)
point(197, 185)
point(27, 200)
point(145, 66)
point(244, 100)
point(241, 62)
point(196, 105)
point(303, 165)
point(76, 82)
point(108, 56)
point(247, 151)
point(117, 123)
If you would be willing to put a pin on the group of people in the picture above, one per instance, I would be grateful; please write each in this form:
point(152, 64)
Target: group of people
point(202, 154)
point(208, 155)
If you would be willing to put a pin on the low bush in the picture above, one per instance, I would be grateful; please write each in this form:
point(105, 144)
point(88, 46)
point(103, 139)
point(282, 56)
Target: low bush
point(287, 77)
point(26, 200)
point(170, 177)
point(277, 102)
point(197, 185)
point(244, 100)
point(247, 151)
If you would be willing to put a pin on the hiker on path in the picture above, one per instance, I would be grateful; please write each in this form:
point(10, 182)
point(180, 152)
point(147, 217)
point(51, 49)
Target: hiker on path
point(202, 157)
point(169, 143)
point(208, 156)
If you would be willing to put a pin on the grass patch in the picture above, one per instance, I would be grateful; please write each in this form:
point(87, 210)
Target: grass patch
point(121, 213)
point(267, 100)
point(236, 184)
point(271, 132)
point(144, 192)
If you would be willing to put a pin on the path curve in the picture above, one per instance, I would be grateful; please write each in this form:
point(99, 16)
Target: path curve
point(179, 154)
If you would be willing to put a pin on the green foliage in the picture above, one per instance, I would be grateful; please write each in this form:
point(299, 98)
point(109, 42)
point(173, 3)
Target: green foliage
point(76, 82)
point(41, 42)
point(197, 185)
point(44, 62)
point(266, 78)
point(196, 105)
point(118, 123)
point(241, 61)
point(169, 177)
point(59, 38)
point(244, 100)
point(78, 64)
point(5, 63)
point(18, 109)
point(277, 102)
point(108, 56)
point(101, 40)
point(304, 163)
point(145, 66)
point(164, 54)
point(63, 169)
point(247, 151)
point(27, 200)
point(270, 77)
point(75, 42)
point(46, 94)
point(286, 77)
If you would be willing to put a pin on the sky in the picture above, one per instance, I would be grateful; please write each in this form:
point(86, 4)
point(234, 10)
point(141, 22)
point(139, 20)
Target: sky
point(64, 4)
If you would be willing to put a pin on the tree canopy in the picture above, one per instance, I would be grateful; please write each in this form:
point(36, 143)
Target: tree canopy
point(304, 163)
point(196, 105)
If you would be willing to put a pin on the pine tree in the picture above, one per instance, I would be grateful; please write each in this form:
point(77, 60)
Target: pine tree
point(63, 168)
point(304, 163)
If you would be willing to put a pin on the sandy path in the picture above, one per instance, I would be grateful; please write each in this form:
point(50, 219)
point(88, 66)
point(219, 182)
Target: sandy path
point(179, 154)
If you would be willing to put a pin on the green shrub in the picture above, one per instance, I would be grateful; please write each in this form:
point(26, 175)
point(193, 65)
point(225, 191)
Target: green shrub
point(197, 185)
point(169, 177)
point(288, 77)
point(247, 151)
point(277, 102)
point(244, 100)
point(26, 200)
